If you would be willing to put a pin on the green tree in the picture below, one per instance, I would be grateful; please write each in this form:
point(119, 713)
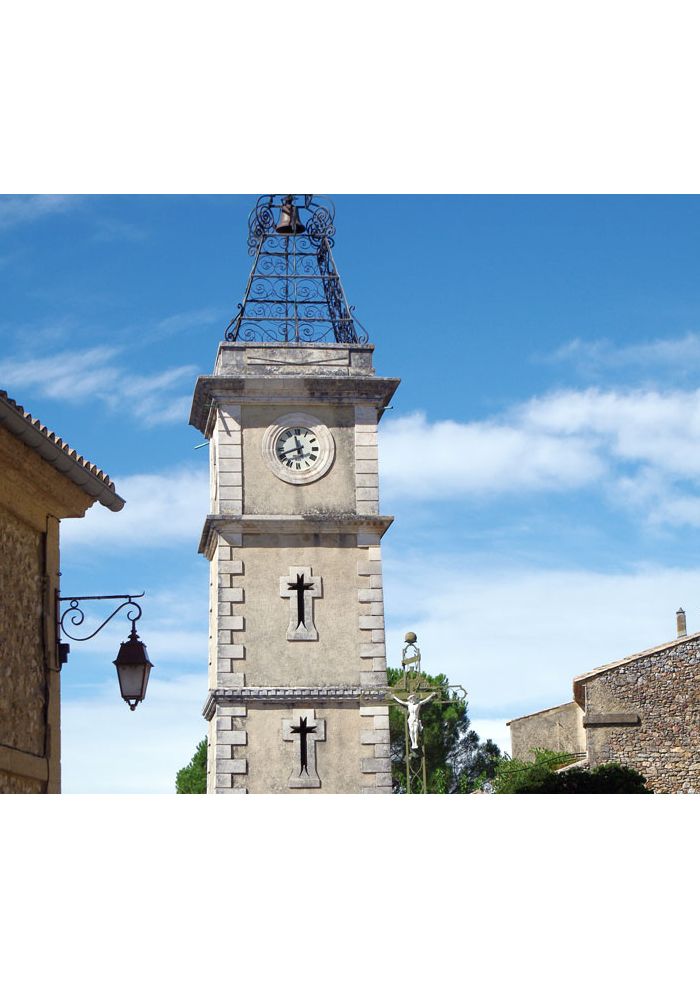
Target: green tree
point(455, 758)
point(541, 776)
point(192, 778)
point(611, 777)
point(512, 775)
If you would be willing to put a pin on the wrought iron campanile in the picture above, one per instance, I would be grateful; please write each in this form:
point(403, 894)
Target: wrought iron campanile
point(294, 293)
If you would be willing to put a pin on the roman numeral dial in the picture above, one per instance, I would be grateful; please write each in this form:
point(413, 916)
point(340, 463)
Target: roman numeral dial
point(297, 448)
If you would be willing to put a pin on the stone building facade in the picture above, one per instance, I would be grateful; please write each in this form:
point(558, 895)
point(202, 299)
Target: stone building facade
point(42, 480)
point(642, 711)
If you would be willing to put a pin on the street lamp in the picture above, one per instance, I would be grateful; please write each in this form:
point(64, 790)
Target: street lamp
point(132, 662)
point(133, 669)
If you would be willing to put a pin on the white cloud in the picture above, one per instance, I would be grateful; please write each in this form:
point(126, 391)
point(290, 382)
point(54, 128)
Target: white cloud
point(17, 210)
point(447, 459)
point(516, 638)
point(161, 510)
point(98, 373)
point(639, 447)
point(105, 748)
point(658, 428)
point(658, 356)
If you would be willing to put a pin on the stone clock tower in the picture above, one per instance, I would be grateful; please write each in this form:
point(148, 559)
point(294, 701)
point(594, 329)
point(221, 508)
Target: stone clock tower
point(297, 660)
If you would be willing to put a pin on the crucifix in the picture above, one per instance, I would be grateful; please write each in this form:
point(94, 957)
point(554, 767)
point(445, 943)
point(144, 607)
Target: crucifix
point(416, 691)
point(304, 730)
point(300, 587)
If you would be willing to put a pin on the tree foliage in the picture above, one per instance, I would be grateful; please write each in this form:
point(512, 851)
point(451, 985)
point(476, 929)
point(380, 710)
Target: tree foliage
point(514, 774)
point(541, 776)
point(610, 777)
point(456, 760)
point(192, 778)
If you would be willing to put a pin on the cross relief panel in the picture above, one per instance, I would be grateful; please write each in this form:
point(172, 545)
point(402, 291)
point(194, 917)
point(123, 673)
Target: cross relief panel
point(301, 588)
point(304, 730)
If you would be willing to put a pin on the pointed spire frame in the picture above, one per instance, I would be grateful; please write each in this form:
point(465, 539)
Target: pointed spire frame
point(294, 293)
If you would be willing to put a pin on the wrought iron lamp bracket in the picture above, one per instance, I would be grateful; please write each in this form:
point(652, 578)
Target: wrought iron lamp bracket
point(77, 616)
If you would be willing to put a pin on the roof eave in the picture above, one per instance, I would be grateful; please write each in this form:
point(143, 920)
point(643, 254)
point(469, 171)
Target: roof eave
point(59, 459)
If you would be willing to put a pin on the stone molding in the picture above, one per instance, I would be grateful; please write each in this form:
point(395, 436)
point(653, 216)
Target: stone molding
point(228, 526)
point(287, 695)
point(215, 390)
point(612, 719)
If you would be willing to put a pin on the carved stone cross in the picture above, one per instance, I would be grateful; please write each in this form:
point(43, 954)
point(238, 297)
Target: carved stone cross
point(304, 730)
point(301, 589)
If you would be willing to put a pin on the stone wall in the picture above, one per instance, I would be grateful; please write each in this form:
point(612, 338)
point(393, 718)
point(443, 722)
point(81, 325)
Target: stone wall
point(662, 688)
point(10, 783)
point(22, 660)
point(559, 729)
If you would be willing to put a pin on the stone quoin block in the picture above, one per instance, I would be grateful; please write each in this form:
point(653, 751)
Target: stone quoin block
point(367, 596)
point(231, 622)
point(376, 765)
point(230, 680)
point(232, 711)
point(235, 766)
point(232, 651)
point(370, 621)
point(231, 738)
point(368, 568)
point(372, 679)
point(370, 650)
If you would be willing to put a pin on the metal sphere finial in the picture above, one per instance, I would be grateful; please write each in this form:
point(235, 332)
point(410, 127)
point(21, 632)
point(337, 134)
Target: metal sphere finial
point(410, 637)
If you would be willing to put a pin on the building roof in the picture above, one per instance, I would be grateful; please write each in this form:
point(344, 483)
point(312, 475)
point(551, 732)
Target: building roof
point(537, 713)
point(583, 677)
point(54, 451)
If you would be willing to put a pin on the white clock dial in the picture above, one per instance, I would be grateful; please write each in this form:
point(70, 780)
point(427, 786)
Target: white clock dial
point(297, 448)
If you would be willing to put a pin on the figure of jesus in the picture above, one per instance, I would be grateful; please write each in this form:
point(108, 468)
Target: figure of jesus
point(414, 722)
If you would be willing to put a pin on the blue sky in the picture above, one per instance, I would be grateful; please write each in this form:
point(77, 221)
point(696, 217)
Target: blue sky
point(540, 457)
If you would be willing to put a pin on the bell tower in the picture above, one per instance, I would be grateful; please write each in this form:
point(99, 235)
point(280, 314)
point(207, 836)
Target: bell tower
point(297, 659)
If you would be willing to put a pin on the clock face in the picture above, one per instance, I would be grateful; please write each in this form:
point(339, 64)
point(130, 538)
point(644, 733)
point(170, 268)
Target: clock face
point(297, 448)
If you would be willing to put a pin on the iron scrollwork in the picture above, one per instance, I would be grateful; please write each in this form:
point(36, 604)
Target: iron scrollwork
point(77, 615)
point(294, 293)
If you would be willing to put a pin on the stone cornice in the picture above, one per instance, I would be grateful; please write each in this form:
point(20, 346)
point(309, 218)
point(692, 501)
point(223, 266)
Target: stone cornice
point(292, 695)
point(308, 389)
point(314, 523)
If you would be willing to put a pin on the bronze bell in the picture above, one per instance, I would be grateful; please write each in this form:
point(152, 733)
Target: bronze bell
point(289, 222)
